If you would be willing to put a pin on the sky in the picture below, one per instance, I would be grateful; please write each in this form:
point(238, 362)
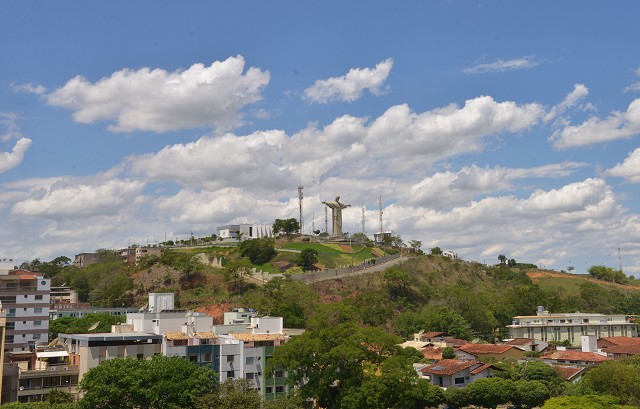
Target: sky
point(481, 127)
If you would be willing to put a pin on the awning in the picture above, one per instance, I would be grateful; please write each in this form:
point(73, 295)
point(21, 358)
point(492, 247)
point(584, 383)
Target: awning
point(51, 354)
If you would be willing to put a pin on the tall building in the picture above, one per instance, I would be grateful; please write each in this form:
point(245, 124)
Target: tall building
point(545, 326)
point(25, 298)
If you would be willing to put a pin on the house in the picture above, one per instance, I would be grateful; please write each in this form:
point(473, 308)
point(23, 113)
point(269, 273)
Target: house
point(608, 342)
point(489, 352)
point(617, 347)
point(545, 326)
point(569, 373)
point(439, 339)
point(528, 344)
point(578, 358)
point(432, 353)
point(451, 372)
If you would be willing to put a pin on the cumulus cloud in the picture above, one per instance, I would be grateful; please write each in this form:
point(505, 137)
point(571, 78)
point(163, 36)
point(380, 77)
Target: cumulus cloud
point(456, 188)
point(9, 160)
point(71, 201)
point(391, 144)
point(159, 101)
point(503, 65)
point(635, 86)
point(629, 169)
point(29, 88)
point(619, 125)
point(350, 86)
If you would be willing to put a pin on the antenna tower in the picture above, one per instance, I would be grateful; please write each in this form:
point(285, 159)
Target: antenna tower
point(313, 222)
point(300, 197)
point(619, 259)
point(381, 231)
point(363, 229)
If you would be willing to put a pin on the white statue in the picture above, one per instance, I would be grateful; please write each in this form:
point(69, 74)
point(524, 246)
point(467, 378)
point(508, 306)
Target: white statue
point(336, 212)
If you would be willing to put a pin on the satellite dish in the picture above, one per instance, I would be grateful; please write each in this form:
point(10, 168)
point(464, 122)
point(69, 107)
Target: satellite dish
point(94, 326)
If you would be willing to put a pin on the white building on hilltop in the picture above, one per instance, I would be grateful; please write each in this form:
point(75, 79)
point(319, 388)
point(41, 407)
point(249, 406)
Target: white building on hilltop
point(545, 326)
point(245, 231)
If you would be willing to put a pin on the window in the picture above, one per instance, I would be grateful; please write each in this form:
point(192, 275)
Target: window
point(37, 323)
point(279, 389)
point(37, 310)
point(38, 297)
point(140, 356)
point(193, 358)
point(207, 357)
point(458, 381)
point(230, 358)
point(269, 389)
point(249, 375)
point(279, 374)
point(36, 336)
point(231, 374)
point(249, 360)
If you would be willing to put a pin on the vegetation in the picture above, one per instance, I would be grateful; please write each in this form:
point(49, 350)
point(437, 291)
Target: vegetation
point(70, 325)
point(608, 274)
point(259, 251)
point(157, 383)
point(287, 226)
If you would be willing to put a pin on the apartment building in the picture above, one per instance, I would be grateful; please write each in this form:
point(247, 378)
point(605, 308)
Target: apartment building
point(545, 326)
point(25, 298)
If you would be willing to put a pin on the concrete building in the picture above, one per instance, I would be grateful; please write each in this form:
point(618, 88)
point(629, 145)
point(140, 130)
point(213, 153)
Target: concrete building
point(39, 371)
point(245, 231)
point(132, 255)
point(81, 309)
point(547, 327)
point(86, 259)
point(25, 298)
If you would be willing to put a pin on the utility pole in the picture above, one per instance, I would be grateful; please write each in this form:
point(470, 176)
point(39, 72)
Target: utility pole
point(363, 220)
point(381, 230)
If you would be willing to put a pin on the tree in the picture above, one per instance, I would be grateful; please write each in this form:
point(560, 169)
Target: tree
point(448, 353)
point(308, 257)
point(231, 394)
point(502, 258)
point(286, 226)
point(59, 396)
point(490, 392)
point(456, 398)
point(436, 251)
point(71, 325)
point(446, 320)
point(160, 382)
point(415, 245)
point(398, 282)
point(529, 393)
point(585, 402)
point(511, 262)
point(259, 251)
point(619, 379)
point(235, 272)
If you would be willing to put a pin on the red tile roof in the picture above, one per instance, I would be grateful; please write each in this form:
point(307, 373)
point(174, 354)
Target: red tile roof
point(623, 349)
point(567, 372)
point(434, 334)
point(479, 369)
point(474, 349)
point(519, 341)
point(432, 353)
point(621, 340)
point(576, 356)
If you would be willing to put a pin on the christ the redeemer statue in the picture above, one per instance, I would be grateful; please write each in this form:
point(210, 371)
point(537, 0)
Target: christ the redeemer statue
point(336, 212)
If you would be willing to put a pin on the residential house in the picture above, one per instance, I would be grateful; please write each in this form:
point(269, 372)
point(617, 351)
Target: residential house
point(570, 327)
point(569, 373)
point(528, 344)
point(439, 339)
point(489, 352)
point(452, 372)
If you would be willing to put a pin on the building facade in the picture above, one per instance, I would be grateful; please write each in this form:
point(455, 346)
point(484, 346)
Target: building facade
point(25, 298)
point(547, 327)
point(245, 231)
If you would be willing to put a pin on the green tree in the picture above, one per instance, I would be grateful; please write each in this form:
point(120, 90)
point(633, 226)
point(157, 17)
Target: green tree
point(445, 320)
point(616, 378)
point(59, 396)
point(490, 392)
point(286, 226)
point(160, 382)
point(448, 353)
point(308, 257)
point(415, 245)
point(71, 325)
point(231, 394)
point(585, 402)
point(235, 272)
point(436, 251)
point(502, 258)
point(456, 398)
point(529, 393)
point(398, 282)
point(259, 251)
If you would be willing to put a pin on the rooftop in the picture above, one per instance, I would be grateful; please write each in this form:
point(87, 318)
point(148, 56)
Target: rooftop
point(485, 348)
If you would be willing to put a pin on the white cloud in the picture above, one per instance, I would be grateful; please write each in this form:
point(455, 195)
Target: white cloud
point(503, 65)
point(349, 87)
point(619, 125)
point(456, 188)
point(633, 87)
point(157, 100)
point(9, 160)
point(29, 88)
point(578, 93)
point(64, 200)
point(629, 169)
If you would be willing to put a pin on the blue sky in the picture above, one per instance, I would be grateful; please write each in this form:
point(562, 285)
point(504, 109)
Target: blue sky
point(486, 127)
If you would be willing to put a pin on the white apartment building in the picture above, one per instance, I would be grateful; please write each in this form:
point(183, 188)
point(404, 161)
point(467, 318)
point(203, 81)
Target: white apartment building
point(545, 326)
point(25, 298)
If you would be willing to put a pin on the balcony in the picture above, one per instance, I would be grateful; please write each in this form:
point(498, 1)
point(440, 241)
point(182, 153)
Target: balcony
point(49, 370)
